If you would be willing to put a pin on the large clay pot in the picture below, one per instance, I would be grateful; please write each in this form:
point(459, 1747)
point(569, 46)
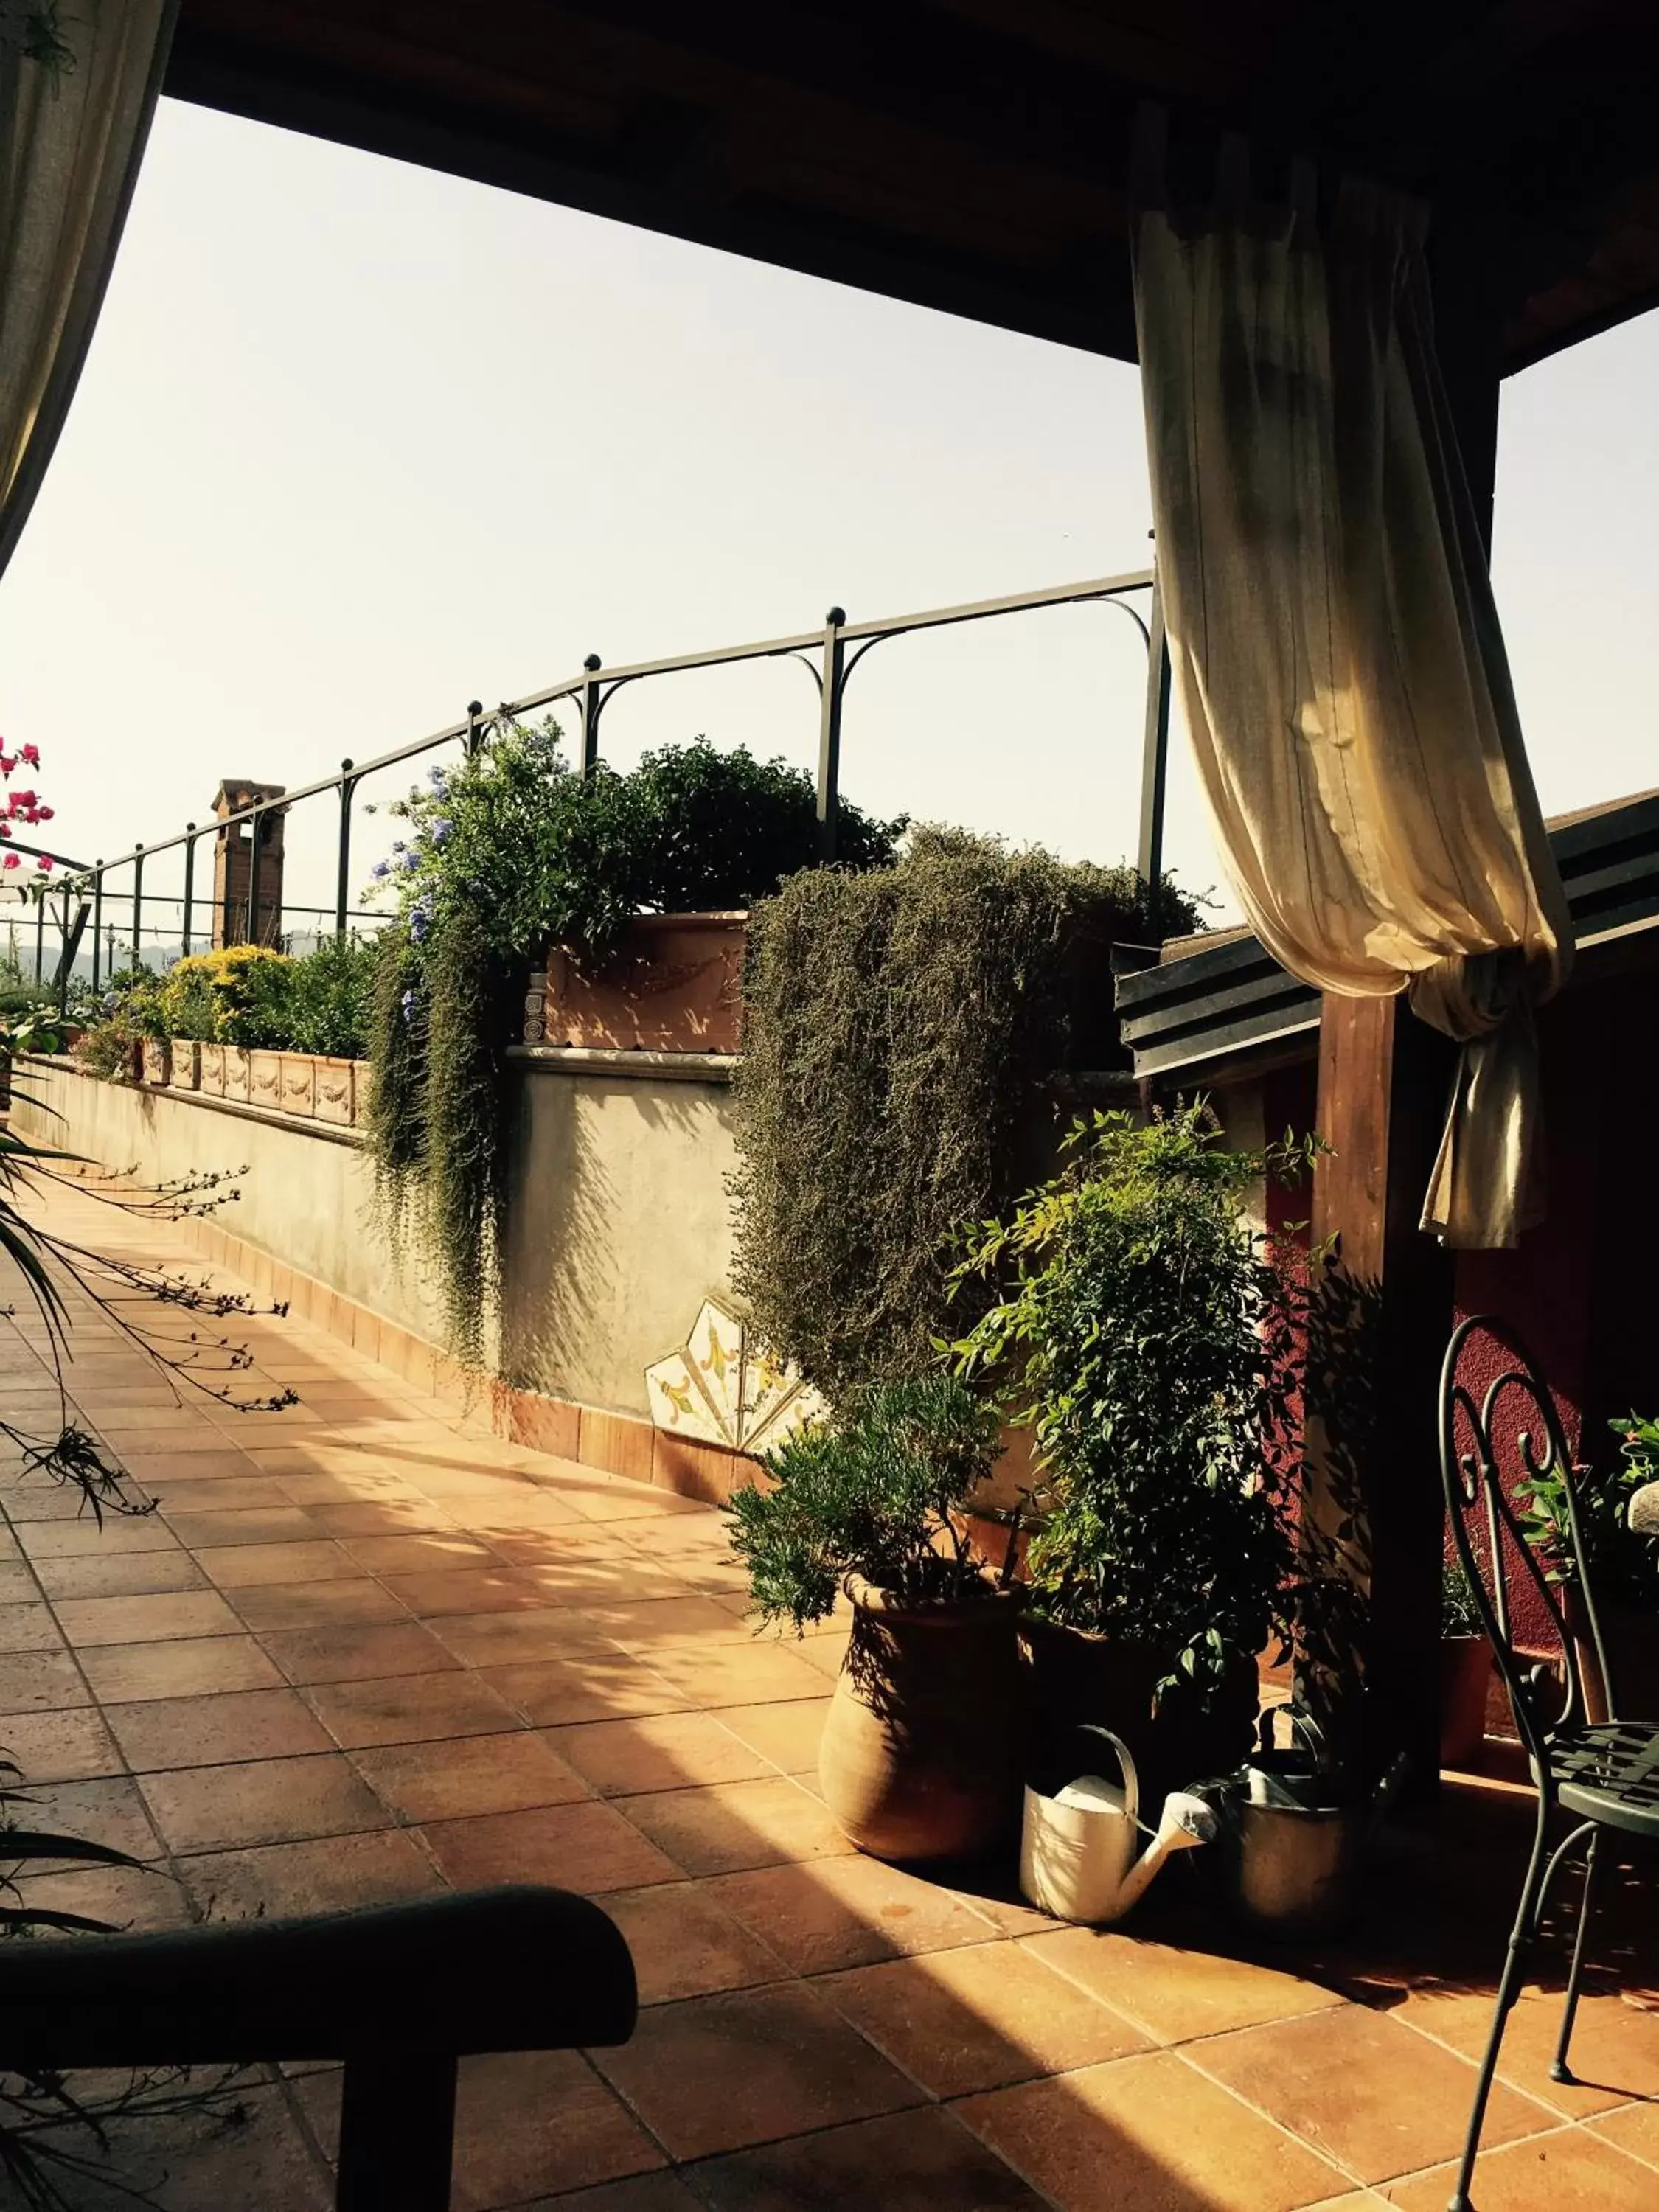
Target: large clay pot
point(1465, 1679)
point(1076, 1678)
point(920, 1756)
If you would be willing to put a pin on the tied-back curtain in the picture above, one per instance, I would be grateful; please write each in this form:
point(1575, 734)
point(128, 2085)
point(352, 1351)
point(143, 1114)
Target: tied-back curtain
point(1335, 643)
point(77, 89)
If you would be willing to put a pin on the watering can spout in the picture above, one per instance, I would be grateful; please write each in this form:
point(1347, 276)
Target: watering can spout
point(1186, 1821)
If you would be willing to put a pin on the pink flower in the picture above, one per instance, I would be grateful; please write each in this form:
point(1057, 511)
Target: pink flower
point(5, 827)
point(12, 861)
point(43, 864)
point(31, 754)
point(7, 763)
point(44, 814)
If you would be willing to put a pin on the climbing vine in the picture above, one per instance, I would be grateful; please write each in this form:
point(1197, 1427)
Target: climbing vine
point(900, 1031)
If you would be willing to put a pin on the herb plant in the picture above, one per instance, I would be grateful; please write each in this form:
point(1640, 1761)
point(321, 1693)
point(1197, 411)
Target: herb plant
point(1143, 1333)
point(878, 1495)
point(1620, 1564)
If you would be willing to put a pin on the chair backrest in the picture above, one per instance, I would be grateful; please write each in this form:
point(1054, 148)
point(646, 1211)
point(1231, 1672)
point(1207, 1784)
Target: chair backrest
point(1499, 1425)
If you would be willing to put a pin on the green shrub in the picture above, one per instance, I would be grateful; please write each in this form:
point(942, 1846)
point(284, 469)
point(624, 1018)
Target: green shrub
point(326, 998)
point(877, 1495)
point(902, 1033)
point(1145, 1336)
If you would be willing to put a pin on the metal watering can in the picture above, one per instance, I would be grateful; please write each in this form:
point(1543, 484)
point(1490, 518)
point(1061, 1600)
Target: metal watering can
point(1078, 1844)
point(1293, 1836)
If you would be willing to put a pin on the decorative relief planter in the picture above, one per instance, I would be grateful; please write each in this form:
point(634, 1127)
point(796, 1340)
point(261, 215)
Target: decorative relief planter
point(156, 1061)
point(332, 1085)
point(237, 1080)
point(186, 1065)
point(210, 1069)
point(674, 984)
point(298, 1093)
point(265, 1079)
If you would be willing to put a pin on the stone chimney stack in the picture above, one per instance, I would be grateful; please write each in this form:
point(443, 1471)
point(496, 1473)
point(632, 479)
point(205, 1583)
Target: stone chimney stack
point(247, 901)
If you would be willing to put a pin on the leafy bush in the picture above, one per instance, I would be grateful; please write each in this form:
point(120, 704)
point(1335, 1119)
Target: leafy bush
point(508, 852)
point(1620, 1564)
point(876, 1495)
point(1460, 1615)
point(1143, 1334)
point(325, 999)
point(901, 1029)
point(235, 994)
point(249, 995)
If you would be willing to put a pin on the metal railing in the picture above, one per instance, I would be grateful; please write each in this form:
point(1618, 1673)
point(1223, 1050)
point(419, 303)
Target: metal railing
point(831, 655)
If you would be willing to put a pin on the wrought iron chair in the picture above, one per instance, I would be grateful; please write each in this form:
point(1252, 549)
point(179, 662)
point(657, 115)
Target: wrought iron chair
point(1605, 1774)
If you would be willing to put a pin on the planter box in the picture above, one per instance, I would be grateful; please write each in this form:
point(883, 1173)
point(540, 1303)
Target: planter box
point(298, 1091)
point(332, 1085)
point(186, 1064)
point(156, 1061)
point(238, 1083)
point(362, 1082)
point(210, 1069)
point(674, 984)
point(265, 1079)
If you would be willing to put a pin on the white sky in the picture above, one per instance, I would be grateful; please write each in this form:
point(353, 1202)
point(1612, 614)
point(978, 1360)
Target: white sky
point(357, 442)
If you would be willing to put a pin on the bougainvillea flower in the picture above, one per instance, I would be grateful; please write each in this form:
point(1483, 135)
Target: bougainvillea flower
point(44, 864)
point(44, 814)
point(31, 754)
point(12, 861)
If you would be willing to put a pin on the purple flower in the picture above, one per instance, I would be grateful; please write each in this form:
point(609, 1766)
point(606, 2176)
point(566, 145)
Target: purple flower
point(380, 871)
point(409, 862)
point(441, 827)
point(419, 921)
point(437, 776)
point(407, 1002)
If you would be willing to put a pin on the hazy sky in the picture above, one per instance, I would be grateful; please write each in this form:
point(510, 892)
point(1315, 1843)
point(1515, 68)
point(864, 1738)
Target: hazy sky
point(357, 442)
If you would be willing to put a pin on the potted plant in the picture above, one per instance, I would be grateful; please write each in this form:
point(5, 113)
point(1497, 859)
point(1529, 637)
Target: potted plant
point(1143, 1332)
point(919, 1758)
point(1465, 1670)
point(1622, 1565)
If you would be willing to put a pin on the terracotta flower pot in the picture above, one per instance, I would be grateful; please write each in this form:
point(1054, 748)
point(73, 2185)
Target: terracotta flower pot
point(920, 1754)
point(333, 1083)
point(1076, 1677)
point(186, 1067)
point(237, 1082)
point(264, 1079)
point(1465, 1678)
point(674, 984)
point(157, 1060)
point(210, 1062)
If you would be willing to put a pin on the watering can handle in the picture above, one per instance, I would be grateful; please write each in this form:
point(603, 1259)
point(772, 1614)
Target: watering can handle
point(1302, 1724)
point(1131, 1779)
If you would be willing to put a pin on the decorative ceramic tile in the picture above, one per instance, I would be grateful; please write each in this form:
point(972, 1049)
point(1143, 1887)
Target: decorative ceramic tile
point(715, 1350)
point(679, 1401)
point(726, 1388)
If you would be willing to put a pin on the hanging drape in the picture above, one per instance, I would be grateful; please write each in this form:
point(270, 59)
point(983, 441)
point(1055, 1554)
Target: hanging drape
point(78, 87)
point(1335, 644)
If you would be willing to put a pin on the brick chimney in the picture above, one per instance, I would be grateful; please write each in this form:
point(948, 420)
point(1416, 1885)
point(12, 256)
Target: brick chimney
point(247, 909)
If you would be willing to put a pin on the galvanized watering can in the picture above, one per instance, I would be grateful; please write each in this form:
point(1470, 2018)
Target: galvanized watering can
point(1293, 1837)
point(1077, 1855)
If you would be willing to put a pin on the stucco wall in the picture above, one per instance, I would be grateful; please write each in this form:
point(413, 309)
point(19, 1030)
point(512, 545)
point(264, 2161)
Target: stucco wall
point(619, 1213)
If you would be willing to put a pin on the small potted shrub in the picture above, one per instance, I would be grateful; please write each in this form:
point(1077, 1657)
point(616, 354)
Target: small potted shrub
point(1465, 1670)
point(1145, 1336)
point(919, 1758)
point(1622, 1565)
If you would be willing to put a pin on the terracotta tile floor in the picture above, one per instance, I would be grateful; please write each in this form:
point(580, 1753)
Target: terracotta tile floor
point(363, 1650)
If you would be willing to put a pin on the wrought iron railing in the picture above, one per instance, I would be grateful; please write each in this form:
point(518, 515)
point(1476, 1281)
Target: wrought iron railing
point(831, 655)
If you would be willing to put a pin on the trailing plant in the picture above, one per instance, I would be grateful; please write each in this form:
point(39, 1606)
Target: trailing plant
point(1460, 1615)
point(1620, 1564)
point(878, 1495)
point(1143, 1334)
point(902, 1031)
point(503, 854)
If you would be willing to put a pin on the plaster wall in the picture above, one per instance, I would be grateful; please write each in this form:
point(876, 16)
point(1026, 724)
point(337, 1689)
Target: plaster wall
point(619, 1216)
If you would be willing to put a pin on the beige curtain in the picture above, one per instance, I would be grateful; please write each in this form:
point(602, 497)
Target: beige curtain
point(1335, 644)
point(72, 132)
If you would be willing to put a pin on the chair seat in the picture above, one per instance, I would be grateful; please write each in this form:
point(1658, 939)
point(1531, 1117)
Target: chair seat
point(1610, 1774)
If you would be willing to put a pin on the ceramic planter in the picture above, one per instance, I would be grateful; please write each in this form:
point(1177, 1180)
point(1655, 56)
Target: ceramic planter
point(265, 1079)
point(238, 1081)
point(210, 1069)
point(920, 1753)
point(186, 1064)
point(363, 1079)
point(1076, 1678)
point(332, 1081)
point(298, 1091)
point(1465, 1678)
point(674, 984)
point(156, 1061)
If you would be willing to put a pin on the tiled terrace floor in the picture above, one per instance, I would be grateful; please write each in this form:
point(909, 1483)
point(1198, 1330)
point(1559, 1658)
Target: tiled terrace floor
point(361, 1652)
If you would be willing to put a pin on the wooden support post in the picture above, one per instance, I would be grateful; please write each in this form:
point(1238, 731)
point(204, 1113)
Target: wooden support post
point(1384, 1078)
